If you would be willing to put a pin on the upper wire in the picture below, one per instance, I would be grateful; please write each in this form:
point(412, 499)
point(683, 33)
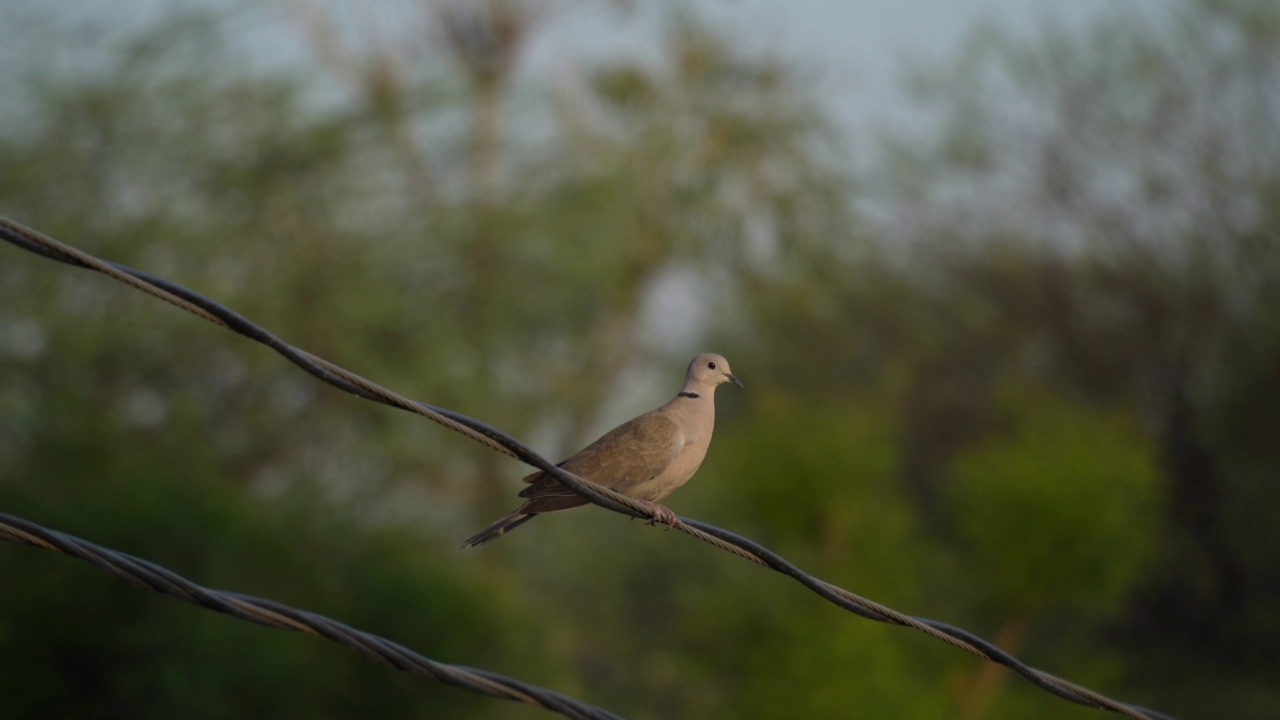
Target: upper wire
point(197, 304)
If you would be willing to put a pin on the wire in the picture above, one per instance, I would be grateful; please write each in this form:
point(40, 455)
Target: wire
point(193, 302)
point(149, 576)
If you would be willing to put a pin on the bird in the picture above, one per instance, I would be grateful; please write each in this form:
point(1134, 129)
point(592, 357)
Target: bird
point(645, 458)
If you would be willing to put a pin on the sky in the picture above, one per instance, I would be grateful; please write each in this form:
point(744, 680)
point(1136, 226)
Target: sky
point(855, 48)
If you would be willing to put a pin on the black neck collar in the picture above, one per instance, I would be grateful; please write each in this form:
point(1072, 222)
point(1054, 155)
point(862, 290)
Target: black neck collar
point(688, 394)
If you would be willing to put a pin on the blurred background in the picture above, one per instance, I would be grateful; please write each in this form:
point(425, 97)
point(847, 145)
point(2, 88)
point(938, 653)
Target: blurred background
point(1002, 280)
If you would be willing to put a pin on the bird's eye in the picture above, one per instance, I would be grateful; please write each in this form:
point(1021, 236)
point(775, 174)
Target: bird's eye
point(711, 365)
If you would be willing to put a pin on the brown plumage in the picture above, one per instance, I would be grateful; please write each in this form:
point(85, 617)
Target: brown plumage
point(645, 458)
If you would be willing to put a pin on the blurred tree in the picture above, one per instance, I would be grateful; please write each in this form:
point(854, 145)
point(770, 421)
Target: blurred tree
point(1108, 199)
point(173, 155)
point(1056, 337)
point(1062, 514)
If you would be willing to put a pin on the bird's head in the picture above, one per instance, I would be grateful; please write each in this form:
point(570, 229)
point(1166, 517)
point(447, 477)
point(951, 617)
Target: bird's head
point(708, 370)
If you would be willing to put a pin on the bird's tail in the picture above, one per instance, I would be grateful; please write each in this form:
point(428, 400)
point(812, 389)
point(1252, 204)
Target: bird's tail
point(499, 526)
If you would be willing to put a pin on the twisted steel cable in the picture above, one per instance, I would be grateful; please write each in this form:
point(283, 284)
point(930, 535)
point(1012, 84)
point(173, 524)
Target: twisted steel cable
point(41, 244)
point(149, 576)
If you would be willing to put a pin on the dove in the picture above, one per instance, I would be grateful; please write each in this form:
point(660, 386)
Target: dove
point(645, 458)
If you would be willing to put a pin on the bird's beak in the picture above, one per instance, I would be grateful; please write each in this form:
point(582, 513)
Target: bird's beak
point(733, 379)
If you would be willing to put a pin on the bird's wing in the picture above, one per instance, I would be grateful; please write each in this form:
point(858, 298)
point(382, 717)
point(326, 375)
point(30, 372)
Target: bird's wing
point(634, 452)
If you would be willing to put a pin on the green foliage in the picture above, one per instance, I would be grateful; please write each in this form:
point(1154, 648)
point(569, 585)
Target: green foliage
point(824, 484)
point(1062, 510)
point(815, 482)
point(1033, 394)
point(124, 652)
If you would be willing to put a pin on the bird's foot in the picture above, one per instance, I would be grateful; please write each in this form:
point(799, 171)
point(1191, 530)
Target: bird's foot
point(661, 514)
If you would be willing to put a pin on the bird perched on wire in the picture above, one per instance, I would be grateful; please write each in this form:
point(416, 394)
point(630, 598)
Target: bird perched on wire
point(645, 458)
